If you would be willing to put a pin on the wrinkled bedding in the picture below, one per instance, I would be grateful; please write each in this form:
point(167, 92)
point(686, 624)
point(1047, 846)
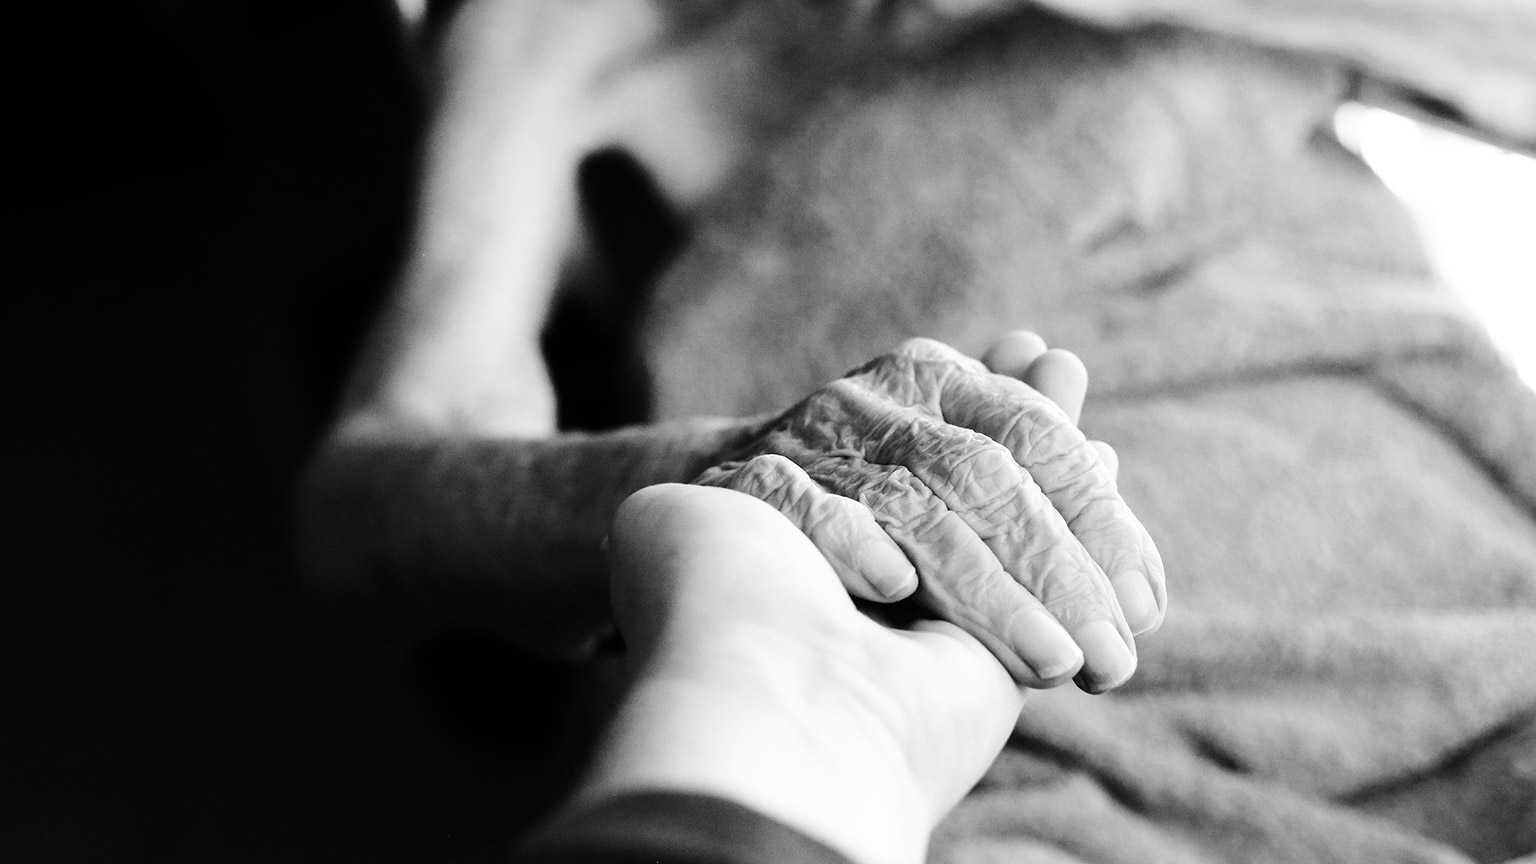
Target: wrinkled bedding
point(1348, 668)
point(1338, 468)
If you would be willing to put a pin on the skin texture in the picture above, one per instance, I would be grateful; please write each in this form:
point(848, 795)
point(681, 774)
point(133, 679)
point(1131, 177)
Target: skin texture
point(757, 679)
point(1009, 517)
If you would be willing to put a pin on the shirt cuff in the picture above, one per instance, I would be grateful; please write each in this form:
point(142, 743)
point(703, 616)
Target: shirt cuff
point(660, 827)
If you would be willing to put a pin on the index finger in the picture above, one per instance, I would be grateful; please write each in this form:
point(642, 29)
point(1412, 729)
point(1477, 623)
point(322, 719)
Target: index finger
point(1076, 481)
point(1045, 442)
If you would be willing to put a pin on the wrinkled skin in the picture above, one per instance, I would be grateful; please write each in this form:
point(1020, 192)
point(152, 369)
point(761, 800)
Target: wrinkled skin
point(924, 473)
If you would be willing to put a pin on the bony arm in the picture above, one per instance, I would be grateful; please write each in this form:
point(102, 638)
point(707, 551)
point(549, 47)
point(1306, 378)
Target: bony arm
point(401, 536)
point(444, 495)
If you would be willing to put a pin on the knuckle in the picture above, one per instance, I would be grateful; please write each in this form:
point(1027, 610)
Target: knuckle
point(1038, 426)
point(830, 509)
point(899, 498)
point(720, 475)
point(1083, 489)
point(1058, 437)
point(965, 468)
point(897, 434)
point(837, 419)
point(985, 475)
point(841, 391)
point(770, 465)
point(769, 477)
point(791, 441)
point(924, 348)
point(917, 372)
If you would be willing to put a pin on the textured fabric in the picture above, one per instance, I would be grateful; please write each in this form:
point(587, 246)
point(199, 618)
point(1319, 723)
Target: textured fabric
point(1337, 467)
point(1479, 57)
point(671, 828)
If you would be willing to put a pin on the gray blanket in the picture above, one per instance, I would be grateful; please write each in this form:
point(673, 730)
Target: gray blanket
point(1348, 668)
point(1339, 470)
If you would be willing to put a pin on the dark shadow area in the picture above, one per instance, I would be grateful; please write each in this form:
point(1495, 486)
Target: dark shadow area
point(213, 197)
point(590, 343)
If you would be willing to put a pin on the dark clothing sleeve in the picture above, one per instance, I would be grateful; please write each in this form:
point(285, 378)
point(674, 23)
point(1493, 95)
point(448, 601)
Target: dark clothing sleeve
point(656, 827)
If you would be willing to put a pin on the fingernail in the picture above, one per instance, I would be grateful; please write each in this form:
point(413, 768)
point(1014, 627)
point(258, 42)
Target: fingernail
point(1044, 644)
point(887, 570)
point(1107, 661)
point(1136, 601)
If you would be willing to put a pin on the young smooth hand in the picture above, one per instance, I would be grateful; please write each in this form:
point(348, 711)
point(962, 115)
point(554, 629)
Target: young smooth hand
point(756, 679)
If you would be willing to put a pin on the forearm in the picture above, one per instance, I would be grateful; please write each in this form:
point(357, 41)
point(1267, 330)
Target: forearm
point(408, 535)
point(445, 496)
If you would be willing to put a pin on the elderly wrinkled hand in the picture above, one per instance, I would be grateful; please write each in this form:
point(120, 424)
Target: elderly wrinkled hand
point(924, 473)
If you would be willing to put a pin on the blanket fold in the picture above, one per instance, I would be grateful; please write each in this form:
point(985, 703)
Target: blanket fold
point(1337, 467)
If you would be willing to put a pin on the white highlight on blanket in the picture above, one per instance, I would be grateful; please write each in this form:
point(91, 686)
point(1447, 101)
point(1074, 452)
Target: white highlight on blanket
point(1475, 205)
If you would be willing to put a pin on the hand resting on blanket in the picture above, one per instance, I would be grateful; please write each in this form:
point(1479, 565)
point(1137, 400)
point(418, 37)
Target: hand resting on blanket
point(976, 483)
point(924, 471)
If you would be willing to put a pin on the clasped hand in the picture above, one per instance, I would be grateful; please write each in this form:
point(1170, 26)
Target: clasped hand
point(927, 473)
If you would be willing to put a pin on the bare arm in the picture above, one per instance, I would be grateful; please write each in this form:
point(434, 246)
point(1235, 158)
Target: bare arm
point(444, 495)
point(408, 536)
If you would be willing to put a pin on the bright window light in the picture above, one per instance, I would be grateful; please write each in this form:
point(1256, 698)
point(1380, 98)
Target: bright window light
point(1475, 205)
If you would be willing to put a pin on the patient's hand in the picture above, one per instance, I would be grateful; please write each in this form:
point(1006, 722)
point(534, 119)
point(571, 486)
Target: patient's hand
point(924, 471)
